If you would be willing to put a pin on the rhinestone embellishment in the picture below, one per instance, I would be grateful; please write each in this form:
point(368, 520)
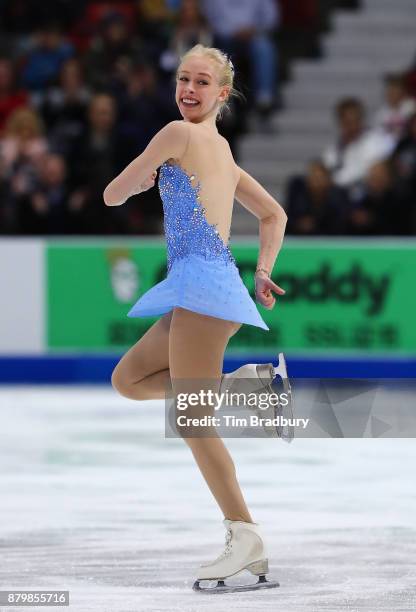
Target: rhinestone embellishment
point(187, 229)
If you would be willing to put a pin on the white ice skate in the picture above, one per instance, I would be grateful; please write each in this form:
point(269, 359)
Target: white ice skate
point(244, 550)
point(256, 377)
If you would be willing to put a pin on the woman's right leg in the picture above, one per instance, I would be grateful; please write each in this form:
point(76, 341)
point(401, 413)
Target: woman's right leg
point(143, 372)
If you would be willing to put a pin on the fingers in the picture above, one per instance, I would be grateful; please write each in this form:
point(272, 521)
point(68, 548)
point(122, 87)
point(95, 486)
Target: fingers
point(266, 298)
point(276, 288)
point(268, 302)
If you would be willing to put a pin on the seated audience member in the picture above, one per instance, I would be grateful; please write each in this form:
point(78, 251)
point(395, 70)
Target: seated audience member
point(377, 210)
point(43, 63)
point(356, 147)
point(21, 150)
point(110, 50)
point(315, 205)
point(155, 24)
point(191, 28)
point(64, 106)
point(410, 79)
point(44, 210)
point(398, 107)
point(244, 31)
point(97, 156)
point(10, 96)
point(404, 161)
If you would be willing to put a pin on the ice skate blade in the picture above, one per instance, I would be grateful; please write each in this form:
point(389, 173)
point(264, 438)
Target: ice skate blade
point(221, 587)
point(281, 369)
point(288, 433)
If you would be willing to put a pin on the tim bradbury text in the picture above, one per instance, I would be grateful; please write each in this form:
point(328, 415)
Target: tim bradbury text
point(233, 421)
point(217, 400)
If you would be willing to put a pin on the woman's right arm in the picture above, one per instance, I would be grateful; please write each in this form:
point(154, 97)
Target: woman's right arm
point(170, 141)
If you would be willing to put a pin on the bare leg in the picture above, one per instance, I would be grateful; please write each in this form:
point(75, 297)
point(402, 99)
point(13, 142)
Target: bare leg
point(143, 371)
point(196, 351)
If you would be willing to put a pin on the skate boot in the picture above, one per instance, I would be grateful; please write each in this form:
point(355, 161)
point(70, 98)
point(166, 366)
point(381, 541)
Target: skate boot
point(244, 550)
point(257, 377)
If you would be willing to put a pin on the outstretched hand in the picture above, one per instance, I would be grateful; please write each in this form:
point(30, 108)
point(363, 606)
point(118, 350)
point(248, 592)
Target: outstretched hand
point(264, 287)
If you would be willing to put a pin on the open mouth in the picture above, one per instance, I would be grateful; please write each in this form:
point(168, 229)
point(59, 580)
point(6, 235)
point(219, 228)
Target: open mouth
point(189, 102)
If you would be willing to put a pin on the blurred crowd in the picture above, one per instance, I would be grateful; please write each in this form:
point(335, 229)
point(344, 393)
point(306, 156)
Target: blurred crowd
point(364, 184)
point(84, 85)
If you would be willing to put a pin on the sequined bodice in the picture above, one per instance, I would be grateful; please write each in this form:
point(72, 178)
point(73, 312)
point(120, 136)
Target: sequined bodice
point(186, 227)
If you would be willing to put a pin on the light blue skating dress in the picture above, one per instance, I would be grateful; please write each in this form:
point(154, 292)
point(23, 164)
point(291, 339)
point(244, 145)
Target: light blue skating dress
point(202, 274)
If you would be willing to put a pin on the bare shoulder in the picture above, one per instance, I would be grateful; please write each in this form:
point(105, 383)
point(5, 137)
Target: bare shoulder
point(176, 128)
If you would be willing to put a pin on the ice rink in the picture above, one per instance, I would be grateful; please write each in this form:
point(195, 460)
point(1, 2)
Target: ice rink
point(96, 501)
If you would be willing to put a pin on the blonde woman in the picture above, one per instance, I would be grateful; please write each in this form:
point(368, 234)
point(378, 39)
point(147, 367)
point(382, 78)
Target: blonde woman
point(24, 138)
point(203, 299)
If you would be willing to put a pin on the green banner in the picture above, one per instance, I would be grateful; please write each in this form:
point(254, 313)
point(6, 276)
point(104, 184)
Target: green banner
point(341, 296)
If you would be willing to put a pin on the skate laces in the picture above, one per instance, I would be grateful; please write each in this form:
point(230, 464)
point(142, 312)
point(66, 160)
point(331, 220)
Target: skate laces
point(228, 546)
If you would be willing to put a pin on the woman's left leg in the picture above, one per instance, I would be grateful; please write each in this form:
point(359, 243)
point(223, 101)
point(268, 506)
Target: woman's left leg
point(196, 352)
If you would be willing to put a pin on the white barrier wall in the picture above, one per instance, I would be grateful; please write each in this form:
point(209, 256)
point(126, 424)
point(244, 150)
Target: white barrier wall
point(22, 277)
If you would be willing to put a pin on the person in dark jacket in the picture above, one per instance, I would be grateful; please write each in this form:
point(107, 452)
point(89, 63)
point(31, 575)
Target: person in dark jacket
point(314, 204)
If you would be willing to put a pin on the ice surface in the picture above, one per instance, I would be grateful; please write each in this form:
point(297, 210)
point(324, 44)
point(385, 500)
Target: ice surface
point(96, 501)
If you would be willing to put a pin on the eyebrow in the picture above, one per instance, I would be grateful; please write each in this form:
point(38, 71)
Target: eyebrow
point(204, 73)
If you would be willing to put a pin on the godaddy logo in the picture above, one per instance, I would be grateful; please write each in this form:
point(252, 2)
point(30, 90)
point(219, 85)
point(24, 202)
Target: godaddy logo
point(352, 286)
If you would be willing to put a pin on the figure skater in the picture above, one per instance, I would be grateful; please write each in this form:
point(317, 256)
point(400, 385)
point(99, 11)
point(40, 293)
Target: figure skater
point(203, 299)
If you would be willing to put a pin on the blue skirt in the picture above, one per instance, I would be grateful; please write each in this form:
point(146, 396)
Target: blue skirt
point(209, 287)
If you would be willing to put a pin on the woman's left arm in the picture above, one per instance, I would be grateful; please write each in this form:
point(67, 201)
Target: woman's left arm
point(170, 141)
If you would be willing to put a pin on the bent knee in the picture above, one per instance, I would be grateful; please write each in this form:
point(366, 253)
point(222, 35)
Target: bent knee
point(118, 383)
point(124, 387)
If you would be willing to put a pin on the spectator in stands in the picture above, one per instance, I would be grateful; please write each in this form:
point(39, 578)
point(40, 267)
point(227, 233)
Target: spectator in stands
point(23, 142)
point(23, 16)
point(10, 96)
point(243, 30)
point(404, 161)
point(410, 79)
point(315, 206)
point(44, 209)
point(110, 50)
point(377, 209)
point(191, 29)
point(398, 107)
point(144, 107)
point(44, 61)
point(63, 107)
point(97, 156)
point(7, 212)
point(356, 148)
point(21, 150)
point(155, 23)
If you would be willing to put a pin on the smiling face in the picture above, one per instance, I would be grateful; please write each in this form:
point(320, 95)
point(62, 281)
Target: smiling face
point(198, 91)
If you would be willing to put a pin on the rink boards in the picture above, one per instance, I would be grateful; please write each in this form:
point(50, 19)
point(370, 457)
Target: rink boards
point(347, 301)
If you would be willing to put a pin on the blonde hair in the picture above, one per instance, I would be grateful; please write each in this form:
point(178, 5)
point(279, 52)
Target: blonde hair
point(226, 70)
point(24, 118)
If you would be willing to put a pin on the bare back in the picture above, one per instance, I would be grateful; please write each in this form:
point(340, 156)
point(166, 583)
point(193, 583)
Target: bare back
point(209, 158)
